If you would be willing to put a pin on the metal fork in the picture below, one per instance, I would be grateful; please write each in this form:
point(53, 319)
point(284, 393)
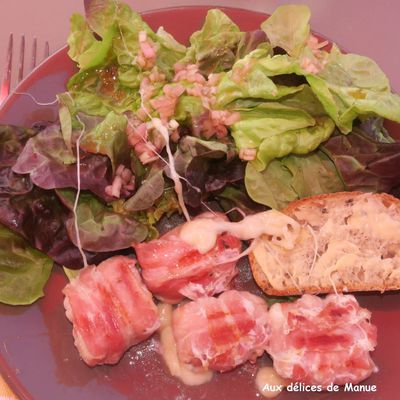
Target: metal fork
point(7, 74)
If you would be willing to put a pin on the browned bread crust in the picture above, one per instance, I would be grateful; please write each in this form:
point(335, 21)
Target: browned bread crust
point(319, 202)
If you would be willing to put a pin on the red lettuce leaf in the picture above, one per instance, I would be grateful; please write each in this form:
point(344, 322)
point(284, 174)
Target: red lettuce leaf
point(34, 213)
point(363, 162)
point(207, 166)
point(51, 165)
point(12, 141)
point(40, 218)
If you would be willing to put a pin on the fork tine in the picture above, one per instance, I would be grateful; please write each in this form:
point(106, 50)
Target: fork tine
point(46, 49)
point(34, 50)
point(6, 81)
point(21, 59)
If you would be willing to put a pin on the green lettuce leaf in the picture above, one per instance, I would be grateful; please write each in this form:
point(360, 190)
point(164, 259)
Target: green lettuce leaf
point(270, 187)
point(105, 15)
point(276, 130)
point(306, 100)
point(267, 120)
point(250, 79)
point(351, 86)
point(214, 47)
point(80, 38)
point(169, 51)
point(71, 273)
point(291, 178)
point(288, 28)
point(149, 191)
point(64, 115)
point(84, 48)
point(109, 78)
point(298, 141)
point(109, 138)
point(109, 88)
point(23, 270)
point(188, 108)
point(101, 229)
point(100, 14)
point(165, 205)
point(236, 197)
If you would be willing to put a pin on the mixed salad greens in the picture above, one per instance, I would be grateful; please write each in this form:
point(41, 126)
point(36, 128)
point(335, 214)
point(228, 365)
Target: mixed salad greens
point(255, 120)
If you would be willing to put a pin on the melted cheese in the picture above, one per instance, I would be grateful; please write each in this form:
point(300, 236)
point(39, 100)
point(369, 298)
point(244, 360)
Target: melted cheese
point(380, 225)
point(202, 233)
point(178, 369)
point(171, 163)
point(351, 244)
point(269, 383)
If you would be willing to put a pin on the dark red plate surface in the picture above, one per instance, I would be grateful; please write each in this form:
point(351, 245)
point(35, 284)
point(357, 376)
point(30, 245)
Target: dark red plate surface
point(37, 355)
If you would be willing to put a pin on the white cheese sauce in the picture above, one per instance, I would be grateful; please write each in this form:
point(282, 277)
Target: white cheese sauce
point(202, 233)
point(269, 383)
point(178, 369)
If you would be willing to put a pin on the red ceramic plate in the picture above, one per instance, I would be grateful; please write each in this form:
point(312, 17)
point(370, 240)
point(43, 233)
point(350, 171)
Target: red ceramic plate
point(37, 355)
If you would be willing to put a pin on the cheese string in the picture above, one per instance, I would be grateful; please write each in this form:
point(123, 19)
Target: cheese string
point(174, 175)
point(244, 252)
point(311, 230)
point(34, 99)
point(78, 192)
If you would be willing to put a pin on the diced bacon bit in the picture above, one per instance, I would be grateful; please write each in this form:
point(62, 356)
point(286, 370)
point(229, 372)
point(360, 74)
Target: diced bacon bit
point(202, 88)
point(123, 183)
point(221, 333)
point(166, 103)
point(314, 44)
point(156, 76)
point(110, 309)
point(147, 51)
point(189, 72)
point(317, 63)
point(146, 89)
point(311, 66)
point(137, 134)
point(136, 131)
point(225, 117)
point(247, 154)
point(147, 141)
point(147, 86)
point(215, 123)
point(322, 341)
point(214, 79)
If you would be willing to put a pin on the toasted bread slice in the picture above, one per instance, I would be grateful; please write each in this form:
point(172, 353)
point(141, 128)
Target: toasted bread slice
point(348, 242)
